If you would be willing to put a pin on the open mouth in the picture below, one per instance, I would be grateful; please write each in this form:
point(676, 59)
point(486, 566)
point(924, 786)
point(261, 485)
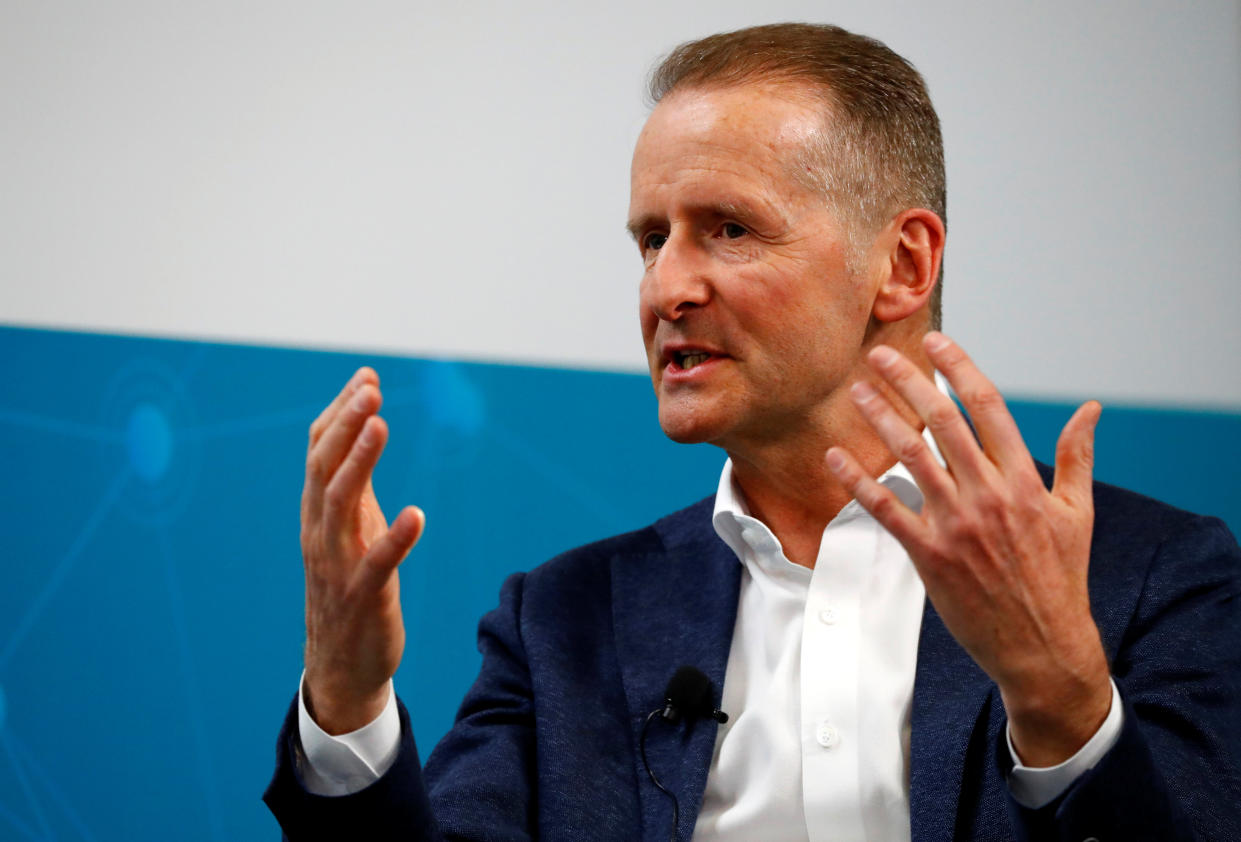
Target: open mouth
point(687, 361)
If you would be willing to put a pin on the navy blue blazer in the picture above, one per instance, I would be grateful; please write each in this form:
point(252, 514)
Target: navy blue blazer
point(580, 649)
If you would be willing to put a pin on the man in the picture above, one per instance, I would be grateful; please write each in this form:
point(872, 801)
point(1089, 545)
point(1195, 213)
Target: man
point(896, 604)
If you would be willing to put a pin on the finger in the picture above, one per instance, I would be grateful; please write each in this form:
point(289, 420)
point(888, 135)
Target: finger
point(1075, 456)
point(1001, 440)
point(942, 417)
point(363, 375)
point(876, 498)
point(906, 443)
point(341, 497)
point(325, 456)
point(386, 554)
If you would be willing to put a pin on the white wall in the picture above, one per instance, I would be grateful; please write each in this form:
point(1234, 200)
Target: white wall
point(451, 179)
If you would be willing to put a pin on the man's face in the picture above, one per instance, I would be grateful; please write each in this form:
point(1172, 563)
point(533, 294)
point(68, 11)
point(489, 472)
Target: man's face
point(751, 317)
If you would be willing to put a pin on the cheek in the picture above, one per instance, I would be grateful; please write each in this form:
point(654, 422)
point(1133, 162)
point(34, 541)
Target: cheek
point(648, 321)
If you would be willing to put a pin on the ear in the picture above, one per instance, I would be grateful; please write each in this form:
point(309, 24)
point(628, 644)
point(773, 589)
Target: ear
point(911, 249)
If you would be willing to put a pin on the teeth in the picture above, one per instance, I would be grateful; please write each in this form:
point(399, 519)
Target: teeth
point(691, 360)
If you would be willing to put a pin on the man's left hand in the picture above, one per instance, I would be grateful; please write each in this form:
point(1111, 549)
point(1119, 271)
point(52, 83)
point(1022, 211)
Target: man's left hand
point(1003, 559)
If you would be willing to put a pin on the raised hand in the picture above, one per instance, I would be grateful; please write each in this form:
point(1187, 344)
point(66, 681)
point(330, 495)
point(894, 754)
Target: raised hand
point(354, 632)
point(1003, 559)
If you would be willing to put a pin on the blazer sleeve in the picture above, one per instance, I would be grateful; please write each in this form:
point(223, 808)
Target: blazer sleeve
point(1175, 770)
point(478, 783)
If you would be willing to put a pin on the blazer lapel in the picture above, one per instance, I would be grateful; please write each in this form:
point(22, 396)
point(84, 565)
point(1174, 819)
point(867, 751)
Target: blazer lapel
point(950, 692)
point(671, 607)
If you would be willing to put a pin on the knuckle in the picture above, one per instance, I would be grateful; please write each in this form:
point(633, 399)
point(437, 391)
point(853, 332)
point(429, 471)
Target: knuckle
point(942, 416)
point(881, 505)
point(960, 526)
point(315, 469)
point(1014, 521)
point(1028, 490)
point(988, 501)
point(935, 555)
point(334, 498)
point(983, 398)
point(910, 449)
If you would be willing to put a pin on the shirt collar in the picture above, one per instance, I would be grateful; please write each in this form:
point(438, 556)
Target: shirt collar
point(741, 530)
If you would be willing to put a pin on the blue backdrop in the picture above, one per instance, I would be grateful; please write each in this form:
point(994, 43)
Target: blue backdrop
point(151, 616)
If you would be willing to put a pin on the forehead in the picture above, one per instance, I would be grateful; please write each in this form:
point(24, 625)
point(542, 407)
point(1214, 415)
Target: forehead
point(750, 133)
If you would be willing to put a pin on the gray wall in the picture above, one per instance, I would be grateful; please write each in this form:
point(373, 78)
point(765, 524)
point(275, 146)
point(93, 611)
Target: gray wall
point(451, 180)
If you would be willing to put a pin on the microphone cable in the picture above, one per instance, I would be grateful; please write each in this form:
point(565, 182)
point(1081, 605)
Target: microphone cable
point(689, 693)
point(676, 806)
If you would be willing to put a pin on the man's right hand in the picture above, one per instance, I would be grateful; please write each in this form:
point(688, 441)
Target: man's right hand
point(354, 631)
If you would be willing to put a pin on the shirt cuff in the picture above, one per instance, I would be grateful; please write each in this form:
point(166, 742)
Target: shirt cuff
point(347, 763)
point(1037, 787)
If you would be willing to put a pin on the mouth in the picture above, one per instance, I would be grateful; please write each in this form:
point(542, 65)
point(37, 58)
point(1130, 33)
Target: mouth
point(688, 358)
point(686, 361)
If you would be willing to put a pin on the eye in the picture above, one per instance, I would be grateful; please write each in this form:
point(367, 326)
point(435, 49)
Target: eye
point(733, 231)
point(654, 241)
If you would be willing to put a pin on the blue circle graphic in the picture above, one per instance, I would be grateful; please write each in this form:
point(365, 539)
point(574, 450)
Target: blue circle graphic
point(2, 709)
point(149, 440)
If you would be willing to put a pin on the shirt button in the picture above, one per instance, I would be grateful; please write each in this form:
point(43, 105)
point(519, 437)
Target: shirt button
point(828, 616)
point(827, 735)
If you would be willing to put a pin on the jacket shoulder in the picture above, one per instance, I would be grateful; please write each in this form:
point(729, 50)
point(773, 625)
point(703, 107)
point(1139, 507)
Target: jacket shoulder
point(684, 526)
point(1134, 525)
point(1134, 519)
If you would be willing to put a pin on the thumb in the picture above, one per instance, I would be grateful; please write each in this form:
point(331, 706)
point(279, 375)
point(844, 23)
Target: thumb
point(1075, 455)
point(386, 554)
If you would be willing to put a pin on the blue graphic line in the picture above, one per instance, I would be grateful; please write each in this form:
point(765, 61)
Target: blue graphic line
point(193, 696)
point(12, 819)
point(582, 493)
point(54, 425)
point(284, 418)
point(35, 607)
point(66, 807)
point(243, 426)
point(24, 783)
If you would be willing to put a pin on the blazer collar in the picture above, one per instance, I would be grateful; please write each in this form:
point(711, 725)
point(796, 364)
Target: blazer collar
point(950, 694)
point(673, 606)
point(676, 604)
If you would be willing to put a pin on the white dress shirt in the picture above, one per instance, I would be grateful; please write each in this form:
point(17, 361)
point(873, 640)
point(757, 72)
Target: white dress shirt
point(819, 687)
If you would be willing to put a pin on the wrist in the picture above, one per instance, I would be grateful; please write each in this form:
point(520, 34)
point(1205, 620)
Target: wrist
point(339, 710)
point(1049, 726)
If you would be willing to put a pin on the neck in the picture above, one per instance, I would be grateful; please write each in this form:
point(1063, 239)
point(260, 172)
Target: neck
point(786, 482)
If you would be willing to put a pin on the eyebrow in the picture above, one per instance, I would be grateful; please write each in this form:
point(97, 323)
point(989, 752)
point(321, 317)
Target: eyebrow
point(637, 225)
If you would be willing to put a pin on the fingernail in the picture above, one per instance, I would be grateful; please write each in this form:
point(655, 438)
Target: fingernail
point(936, 341)
point(883, 356)
point(862, 391)
point(359, 401)
point(835, 461)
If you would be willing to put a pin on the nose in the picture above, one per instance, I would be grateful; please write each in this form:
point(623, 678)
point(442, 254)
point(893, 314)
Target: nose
point(677, 281)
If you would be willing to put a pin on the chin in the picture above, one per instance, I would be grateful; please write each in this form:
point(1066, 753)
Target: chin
point(685, 426)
